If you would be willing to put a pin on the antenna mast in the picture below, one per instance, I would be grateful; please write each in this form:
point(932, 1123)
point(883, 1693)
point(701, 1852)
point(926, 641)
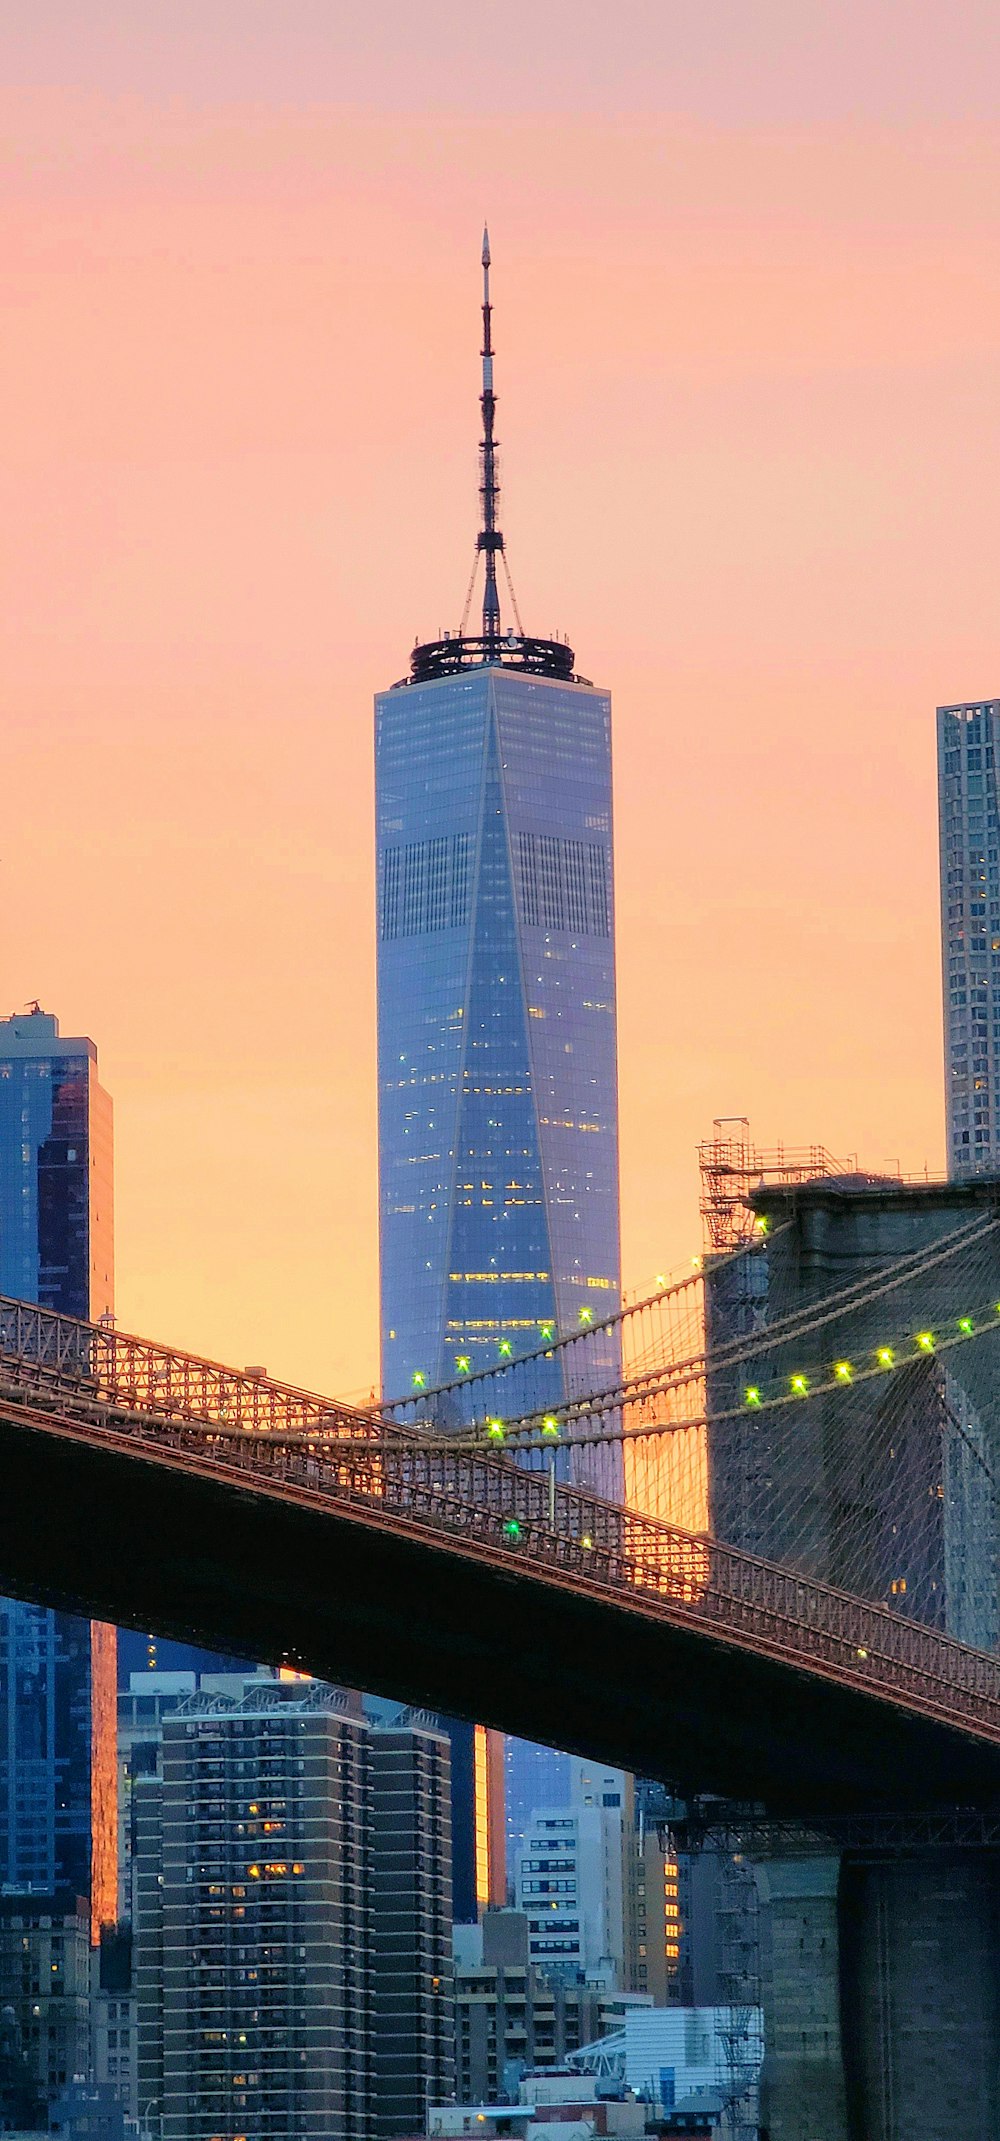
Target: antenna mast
point(457, 652)
point(489, 539)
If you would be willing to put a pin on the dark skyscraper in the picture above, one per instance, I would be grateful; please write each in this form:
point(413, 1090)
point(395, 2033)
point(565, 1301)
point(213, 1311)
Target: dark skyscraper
point(498, 1099)
point(58, 1769)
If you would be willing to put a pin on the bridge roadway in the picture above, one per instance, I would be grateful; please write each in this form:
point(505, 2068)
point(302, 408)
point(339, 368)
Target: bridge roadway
point(144, 1486)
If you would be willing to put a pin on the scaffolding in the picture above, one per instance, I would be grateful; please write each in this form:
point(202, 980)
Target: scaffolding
point(732, 1167)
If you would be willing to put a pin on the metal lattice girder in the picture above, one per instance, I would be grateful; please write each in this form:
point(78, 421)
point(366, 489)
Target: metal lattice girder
point(752, 1834)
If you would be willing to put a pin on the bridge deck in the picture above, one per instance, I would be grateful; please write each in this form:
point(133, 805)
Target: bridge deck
point(367, 1558)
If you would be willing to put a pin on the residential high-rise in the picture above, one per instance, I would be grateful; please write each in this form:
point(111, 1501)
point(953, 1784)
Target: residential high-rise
point(968, 739)
point(414, 2039)
point(253, 1957)
point(292, 1886)
point(497, 1053)
point(58, 1823)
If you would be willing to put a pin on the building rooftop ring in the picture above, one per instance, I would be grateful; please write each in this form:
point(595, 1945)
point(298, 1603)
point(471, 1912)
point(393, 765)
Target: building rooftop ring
point(458, 652)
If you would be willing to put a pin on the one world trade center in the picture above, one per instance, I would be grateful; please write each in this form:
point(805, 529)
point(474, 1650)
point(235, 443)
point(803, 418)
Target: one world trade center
point(497, 1052)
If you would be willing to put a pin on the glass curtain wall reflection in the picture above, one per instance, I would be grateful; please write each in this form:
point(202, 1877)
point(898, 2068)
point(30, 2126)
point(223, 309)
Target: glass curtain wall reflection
point(498, 1106)
point(58, 1673)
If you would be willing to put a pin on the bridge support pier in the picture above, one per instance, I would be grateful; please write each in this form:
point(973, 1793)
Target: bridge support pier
point(803, 2091)
point(880, 1983)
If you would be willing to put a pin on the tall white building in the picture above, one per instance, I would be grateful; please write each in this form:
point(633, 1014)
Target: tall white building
point(570, 1879)
point(967, 737)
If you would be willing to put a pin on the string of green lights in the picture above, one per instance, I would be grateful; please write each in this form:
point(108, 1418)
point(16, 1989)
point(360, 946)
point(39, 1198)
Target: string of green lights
point(552, 1341)
point(542, 1433)
point(672, 1377)
point(801, 1322)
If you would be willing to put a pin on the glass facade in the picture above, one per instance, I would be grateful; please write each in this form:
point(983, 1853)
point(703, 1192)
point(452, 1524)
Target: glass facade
point(968, 740)
point(498, 1115)
point(533, 1777)
point(497, 1049)
point(58, 1673)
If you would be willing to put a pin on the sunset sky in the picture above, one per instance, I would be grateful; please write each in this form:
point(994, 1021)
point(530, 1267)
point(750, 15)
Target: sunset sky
point(747, 286)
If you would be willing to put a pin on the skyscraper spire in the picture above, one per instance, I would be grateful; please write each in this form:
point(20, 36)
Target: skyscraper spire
point(513, 648)
point(489, 539)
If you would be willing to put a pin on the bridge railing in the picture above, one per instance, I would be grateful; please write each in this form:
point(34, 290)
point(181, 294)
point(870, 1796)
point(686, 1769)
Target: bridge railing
point(59, 1356)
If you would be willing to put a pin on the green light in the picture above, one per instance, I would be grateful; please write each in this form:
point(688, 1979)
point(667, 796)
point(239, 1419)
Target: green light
point(886, 1356)
point(586, 1542)
point(512, 1529)
point(505, 1348)
point(752, 1395)
point(925, 1340)
point(843, 1371)
point(463, 1364)
point(419, 1379)
point(495, 1428)
point(550, 1425)
point(586, 1315)
point(762, 1225)
point(800, 1384)
point(547, 1331)
point(965, 1324)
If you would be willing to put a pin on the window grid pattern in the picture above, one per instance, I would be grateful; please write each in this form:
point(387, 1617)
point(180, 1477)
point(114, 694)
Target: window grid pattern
point(968, 741)
point(563, 884)
point(424, 886)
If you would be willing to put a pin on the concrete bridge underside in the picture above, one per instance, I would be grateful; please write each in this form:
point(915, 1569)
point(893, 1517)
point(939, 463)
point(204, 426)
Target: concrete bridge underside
point(97, 1526)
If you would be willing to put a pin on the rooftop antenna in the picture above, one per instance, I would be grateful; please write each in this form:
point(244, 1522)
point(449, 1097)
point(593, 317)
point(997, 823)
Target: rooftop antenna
point(489, 539)
point(453, 652)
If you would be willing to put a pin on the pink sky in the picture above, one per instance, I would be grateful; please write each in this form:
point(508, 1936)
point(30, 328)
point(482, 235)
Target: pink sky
point(748, 313)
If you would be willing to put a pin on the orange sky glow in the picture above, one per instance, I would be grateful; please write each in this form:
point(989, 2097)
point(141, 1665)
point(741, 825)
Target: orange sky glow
point(748, 334)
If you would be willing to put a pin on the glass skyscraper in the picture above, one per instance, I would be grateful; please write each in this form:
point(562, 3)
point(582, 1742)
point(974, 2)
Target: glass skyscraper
point(497, 1048)
point(498, 1121)
point(968, 737)
point(58, 1673)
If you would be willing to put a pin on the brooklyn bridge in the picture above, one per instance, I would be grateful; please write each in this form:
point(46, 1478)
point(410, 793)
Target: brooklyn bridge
point(815, 1632)
point(739, 1537)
